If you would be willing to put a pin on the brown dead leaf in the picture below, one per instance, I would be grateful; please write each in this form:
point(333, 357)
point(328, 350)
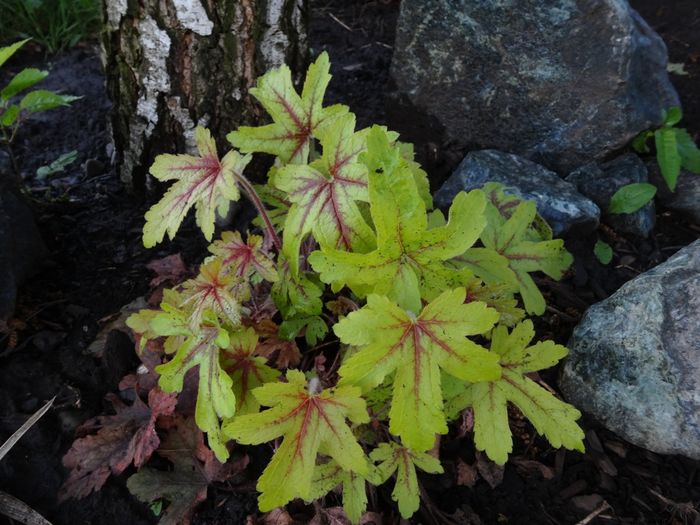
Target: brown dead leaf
point(528, 467)
point(281, 352)
point(125, 437)
point(170, 269)
point(491, 472)
point(466, 474)
point(330, 516)
point(194, 468)
point(276, 517)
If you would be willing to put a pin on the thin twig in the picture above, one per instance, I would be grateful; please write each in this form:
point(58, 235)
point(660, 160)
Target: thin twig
point(14, 438)
point(340, 22)
point(603, 507)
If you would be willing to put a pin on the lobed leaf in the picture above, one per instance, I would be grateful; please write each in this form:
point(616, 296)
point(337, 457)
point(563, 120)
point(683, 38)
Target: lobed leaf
point(393, 458)
point(324, 194)
point(516, 243)
point(551, 417)
point(310, 423)
point(245, 259)
point(415, 349)
point(407, 264)
point(205, 182)
point(296, 119)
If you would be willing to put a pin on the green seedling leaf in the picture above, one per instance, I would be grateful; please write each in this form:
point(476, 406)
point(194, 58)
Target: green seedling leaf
point(205, 182)
point(416, 347)
point(603, 252)
point(331, 475)
point(9, 115)
point(689, 152)
point(21, 81)
point(309, 422)
point(247, 371)
point(43, 100)
point(245, 260)
point(323, 194)
point(7, 51)
point(407, 264)
point(667, 155)
point(57, 165)
point(632, 197)
point(296, 120)
point(551, 417)
point(516, 244)
point(639, 143)
point(672, 116)
point(393, 458)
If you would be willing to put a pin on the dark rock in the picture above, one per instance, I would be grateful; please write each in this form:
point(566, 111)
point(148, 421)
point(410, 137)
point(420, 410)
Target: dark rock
point(635, 358)
point(21, 246)
point(557, 201)
point(93, 168)
point(562, 83)
point(599, 183)
point(685, 199)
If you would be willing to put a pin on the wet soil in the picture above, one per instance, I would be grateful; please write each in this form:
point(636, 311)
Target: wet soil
point(92, 226)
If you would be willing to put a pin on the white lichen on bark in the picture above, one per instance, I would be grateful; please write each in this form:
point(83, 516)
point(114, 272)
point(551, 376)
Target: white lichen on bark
point(154, 80)
point(182, 116)
point(274, 42)
point(115, 10)
point(192, 15)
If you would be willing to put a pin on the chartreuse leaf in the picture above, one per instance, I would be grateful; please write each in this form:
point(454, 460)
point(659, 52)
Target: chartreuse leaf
point(310, 423)
point(667, 155)
point(516, 244)
point(245, 259)
point(551, 417)
point(296, 120)
point(205, 182)
point(407, 264)
point(393, 458)
point(247, 371)
point(631, 197)
point(324, 194)
point(201, 348)
point(330, 475)
point(215, 291)
point(416, 347)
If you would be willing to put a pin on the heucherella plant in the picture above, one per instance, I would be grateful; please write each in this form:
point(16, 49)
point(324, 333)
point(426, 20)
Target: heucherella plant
point(414, 314)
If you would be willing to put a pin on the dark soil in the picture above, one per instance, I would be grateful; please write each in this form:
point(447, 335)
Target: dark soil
point(97, 265)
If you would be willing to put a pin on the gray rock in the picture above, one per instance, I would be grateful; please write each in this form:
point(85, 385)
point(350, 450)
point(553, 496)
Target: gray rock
point(685, 199)
point(557, 201)
point(562, 82)
point(635, 358)
point(599, 183)
point(21, 247)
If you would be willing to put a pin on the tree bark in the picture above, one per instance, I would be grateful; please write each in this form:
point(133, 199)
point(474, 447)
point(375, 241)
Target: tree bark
point(172, 65)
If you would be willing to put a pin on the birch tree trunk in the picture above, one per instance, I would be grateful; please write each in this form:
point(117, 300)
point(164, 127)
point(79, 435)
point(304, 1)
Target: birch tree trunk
point(172, 65)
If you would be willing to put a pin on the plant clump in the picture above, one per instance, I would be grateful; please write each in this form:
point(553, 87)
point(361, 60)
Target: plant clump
point(360, 323)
